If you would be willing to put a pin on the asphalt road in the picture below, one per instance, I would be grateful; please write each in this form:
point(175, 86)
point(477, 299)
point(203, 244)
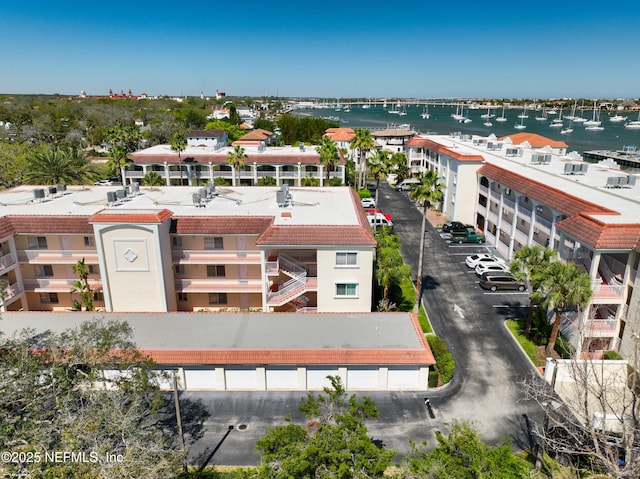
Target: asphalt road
point(489, 364)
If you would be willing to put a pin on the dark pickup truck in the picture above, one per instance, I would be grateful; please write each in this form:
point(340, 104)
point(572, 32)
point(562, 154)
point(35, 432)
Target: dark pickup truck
point(468, 236)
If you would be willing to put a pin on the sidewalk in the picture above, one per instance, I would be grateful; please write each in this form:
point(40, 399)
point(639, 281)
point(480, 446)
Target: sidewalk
point(435, 218)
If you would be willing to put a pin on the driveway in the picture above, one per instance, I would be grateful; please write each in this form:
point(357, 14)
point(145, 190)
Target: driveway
point(489, 365)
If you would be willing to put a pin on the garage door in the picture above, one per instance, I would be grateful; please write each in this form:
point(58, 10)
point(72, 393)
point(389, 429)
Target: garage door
point(200, 379)
point(241, 378)
point(317, 377)
point(282, 378)
point(404, 378)
point(362, 378)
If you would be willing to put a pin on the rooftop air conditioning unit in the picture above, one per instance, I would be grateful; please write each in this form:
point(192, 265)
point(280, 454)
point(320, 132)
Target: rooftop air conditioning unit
point(121, 194)
point(61, 188)
point(281, 198)
point(302, 146)
point(52, 190)
point(135, 188)
point(111, 197)
point(197, 199)
point(38, 194)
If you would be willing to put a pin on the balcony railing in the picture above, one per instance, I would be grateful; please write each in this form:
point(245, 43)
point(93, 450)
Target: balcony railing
point(7, 260)
point(601, 290)
point(56, 285)
point(595, 327)
point(216, 256)
point(218, 285)
point(49, 256)
point(12, 291)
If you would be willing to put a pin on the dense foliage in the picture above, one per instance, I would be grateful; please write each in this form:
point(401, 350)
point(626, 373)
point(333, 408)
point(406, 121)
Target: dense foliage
point(56, 396)
point(307, 130)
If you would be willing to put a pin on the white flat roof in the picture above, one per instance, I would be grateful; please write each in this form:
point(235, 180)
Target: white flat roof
point(308, 205)
point(589, 187)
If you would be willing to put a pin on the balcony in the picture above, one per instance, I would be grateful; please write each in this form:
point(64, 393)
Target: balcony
point(7, 260)
point(216, 256)
point(11, 292)
point(600, 328)
point(49, 256)
point(56, 285)
point(602, 290)
point(219, 285)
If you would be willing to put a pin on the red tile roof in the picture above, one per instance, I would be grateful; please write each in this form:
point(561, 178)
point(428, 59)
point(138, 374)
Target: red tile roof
point(292, 356)
point(340, 134)
point(220, 224)
point(559, 200)
point(6, 228)
point(50, 224)
point(600, 235)
point(131, 216)
point(359, 234)
point(536, 141)
point(418, 141)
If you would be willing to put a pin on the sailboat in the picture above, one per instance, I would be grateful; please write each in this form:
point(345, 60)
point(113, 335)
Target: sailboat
point(595, 121)
point(458, 114)
point(524, 113)
point(580, 119)
point(521, 125)
point(568, 129)
point(617, 118)
point(557, 122)
point(502, 118)
point(542, 117)
point(425, 112)
point(403, 111)
point(633, 125)
point(488, 114)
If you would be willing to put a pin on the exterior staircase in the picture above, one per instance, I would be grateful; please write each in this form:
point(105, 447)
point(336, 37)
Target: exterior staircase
point(292, 289)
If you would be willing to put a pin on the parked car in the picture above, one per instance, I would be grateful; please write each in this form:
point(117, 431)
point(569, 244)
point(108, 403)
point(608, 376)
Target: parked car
point(368, 202)
point(490, 267)
point(470, 235)
point(475, 259)
point(114, 180)
point(406, 185)
point(371, 211)
point(496, 281)
point(455, 226)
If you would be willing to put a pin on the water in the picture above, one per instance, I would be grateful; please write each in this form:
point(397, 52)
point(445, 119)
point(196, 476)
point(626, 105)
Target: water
point(614, 136)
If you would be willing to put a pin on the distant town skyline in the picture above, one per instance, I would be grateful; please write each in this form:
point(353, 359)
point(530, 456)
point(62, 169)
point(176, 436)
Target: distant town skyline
point(487, 49)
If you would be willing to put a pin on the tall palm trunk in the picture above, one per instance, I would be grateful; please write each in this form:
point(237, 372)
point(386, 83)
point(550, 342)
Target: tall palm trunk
point(416, 305)
point(529, 322)
point(551, 344)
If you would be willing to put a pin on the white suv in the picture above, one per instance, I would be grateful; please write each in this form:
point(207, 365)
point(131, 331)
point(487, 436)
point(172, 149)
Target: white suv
point(368, 203)
point(482, 258)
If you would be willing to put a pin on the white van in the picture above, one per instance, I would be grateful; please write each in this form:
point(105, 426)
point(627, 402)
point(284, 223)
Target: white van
point(378, 219)
point(407, 184)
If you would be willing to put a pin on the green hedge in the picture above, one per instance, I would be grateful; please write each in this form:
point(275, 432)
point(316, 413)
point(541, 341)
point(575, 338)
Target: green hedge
point(445, 365)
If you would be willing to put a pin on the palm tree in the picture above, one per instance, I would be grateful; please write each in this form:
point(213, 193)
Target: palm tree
point(390, 269)
point(82, 287)
point(236, 160)
point(565, 285)
point(529, 264)
point(362, 142)
point(398, 166)
point(118, 161)
point(328, 152)
point(178, 144)
point(152, 179)
point(68, 165)
point(426, 192)
point(378, 166)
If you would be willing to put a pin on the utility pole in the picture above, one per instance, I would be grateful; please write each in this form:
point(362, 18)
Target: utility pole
point(176, 400)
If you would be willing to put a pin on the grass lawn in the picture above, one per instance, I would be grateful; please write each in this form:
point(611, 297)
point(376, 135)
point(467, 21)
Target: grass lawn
point(535, 353)
point(409, 298)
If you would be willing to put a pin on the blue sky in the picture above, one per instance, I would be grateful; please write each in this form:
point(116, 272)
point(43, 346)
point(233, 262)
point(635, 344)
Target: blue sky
point(426, 49)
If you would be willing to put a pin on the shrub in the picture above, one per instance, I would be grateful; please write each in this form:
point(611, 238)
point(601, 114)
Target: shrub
point(445, 365)
point(335, 181)
point(611, 355)
point(365, 193)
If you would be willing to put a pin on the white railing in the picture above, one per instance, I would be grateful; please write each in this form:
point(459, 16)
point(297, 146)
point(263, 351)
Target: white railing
point(542, 223)
point(50, 256)
point(286, 291)
point(11, 291)
point(601, 290)
point(215, 256)
point(218, 285)
point(608, 275)
point(7, 260)
point(508, 204)
point(56, 284)
point(484, 190)
point(289, 266)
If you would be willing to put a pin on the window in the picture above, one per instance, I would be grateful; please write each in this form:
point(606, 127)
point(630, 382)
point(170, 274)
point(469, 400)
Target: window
point(346, 289)
point(176, 241)
point(182, 297)
point(179, 269)
point(37, 242)
point(98, 296)
point(215, 271)
point(89, 241)
point(43, 270)
point(49, 298)
point(217, 298)
point(346, 259)
point(93, 269)
point(213, 242)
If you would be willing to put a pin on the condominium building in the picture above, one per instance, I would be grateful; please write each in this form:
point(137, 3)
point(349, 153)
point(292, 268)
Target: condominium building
point(203, 162)
point(525, 189)
point(163, 249)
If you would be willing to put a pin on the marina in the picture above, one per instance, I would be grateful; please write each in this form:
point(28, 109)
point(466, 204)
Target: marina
point(444, 117)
